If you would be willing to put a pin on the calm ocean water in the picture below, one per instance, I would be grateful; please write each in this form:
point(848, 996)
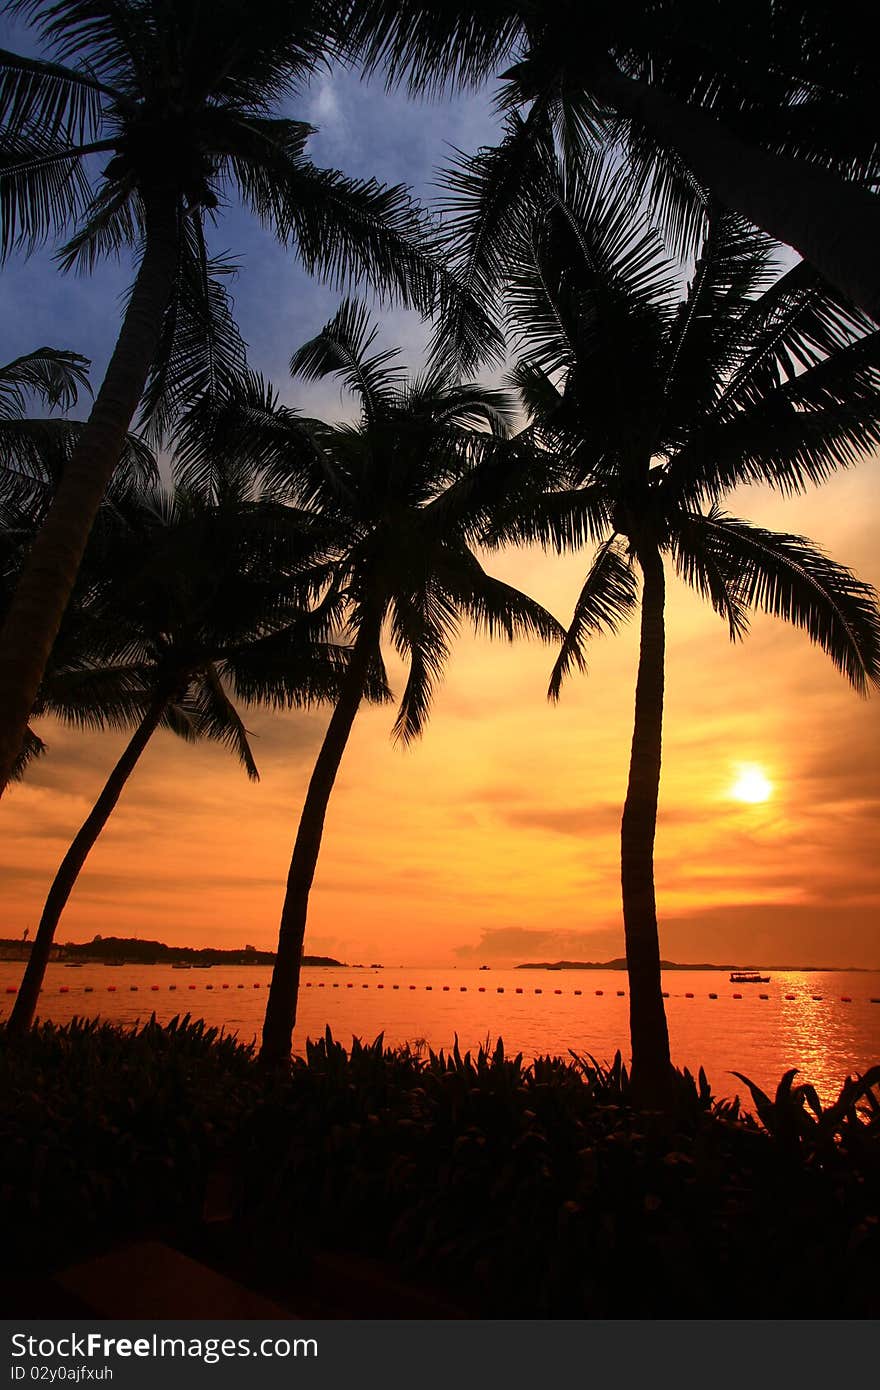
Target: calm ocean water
point(828, 1029)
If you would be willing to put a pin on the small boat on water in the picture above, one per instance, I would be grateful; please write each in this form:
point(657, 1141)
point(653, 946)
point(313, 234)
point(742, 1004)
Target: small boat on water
point(73, 965)
point(748, 977)
point(199, 965)
point(182, 967)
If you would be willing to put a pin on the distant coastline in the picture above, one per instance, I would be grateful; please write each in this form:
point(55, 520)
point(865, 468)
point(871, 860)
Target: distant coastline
point(619, 963)
point(134, 951)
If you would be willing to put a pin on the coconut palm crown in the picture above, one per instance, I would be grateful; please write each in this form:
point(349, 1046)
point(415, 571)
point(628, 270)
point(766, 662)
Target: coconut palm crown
point(769, 108)
point(656, 406)
point(148, 119)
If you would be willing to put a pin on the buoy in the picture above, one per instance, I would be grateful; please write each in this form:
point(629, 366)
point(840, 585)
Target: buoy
point(791, 996)
point(737, 996)
point(111, 989)
point(599, 992)
point(519, 989)
point(188, 986)
point(539, 991)
point(155, 987)
point(64, 990)
point(89, 989)
point(11, 989)
point(481, 989)
point(462, 989)
point(445, 989)
point(382, 986)
point(846, 999)
point(395, 986)
point(256, 986)
point(557, 991)
point(713, 996)
point(412, 986)
point(206, 986)
point(237, 986)
point(429, 986)
point(666, 994)
point(763, 996)
point(173, 987)
point(688, 995)
point(578, 991)
point(365, 986)
point(817, 997)
point(620, 993)
point(224, 986)
point(336, 986)
point(873, 1001)
point(134, 988)
point(349, 986)
point(308, 984)
point(499, 990)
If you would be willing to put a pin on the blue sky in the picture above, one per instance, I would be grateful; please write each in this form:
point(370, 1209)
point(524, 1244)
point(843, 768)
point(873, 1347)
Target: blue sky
point(362, 130)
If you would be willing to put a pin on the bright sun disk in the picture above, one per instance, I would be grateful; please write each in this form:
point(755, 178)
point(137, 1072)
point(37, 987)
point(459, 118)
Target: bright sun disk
point(751, 786)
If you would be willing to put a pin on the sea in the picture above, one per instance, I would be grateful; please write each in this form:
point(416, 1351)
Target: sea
point(825, 1024)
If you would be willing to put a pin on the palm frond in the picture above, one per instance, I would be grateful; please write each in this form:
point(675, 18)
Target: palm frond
point(787, 576)
point(697, 565)
point(32, 749)
point(54, 375)
point(608, 598)
point(217, 718)
point(201, 354)
point(342, 348)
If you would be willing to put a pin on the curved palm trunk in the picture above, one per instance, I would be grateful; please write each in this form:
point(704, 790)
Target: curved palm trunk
point(284, 989)
point(50, 571)
point(23, 1011)
point(833, 223)
point(651, 1069)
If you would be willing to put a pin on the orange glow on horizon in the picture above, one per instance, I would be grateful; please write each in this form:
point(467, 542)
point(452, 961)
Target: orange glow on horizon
point(496, 838)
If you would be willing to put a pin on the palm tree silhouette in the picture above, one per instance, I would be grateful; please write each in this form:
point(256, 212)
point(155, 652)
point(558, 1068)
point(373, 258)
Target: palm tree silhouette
point(182, 100)
point(655, 407)
point(770, 113)
point(182, 603)
point(401, 491)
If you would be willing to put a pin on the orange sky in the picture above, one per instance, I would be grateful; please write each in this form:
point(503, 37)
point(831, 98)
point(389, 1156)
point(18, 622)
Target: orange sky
point(496, 838)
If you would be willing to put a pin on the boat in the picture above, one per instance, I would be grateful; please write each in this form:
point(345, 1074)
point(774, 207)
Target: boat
point(73, 965)
point(199, 965)
point(484, 967)
point(181, 967)
point(748, 977)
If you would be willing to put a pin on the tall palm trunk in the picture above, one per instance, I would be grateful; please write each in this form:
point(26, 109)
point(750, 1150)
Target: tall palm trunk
point(651, 1070)
point(284, 989)
point(50, 571)
point(23, 1011)
point(833, 223)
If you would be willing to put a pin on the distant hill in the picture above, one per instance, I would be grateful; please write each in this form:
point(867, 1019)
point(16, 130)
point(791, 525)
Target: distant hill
point(619, 963)
point(139, 952)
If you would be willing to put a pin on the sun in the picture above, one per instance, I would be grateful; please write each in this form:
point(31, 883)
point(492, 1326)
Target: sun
point(751, 785)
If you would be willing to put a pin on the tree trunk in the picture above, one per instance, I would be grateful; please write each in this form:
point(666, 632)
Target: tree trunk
point(651, 1069)
point(284, 989)
point(833, 223)
point(49, 573)
point(23, 1011)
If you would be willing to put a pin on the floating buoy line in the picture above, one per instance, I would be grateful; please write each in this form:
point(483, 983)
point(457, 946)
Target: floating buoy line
point(463, 989)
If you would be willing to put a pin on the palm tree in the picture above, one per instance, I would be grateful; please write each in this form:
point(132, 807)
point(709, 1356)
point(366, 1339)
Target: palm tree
point(401, 490)
point(658, 406)
point(181, 604)
point(769, 111)
point(181, 100)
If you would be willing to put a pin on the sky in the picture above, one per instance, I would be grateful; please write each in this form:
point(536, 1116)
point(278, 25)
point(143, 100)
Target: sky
point(495, 839)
